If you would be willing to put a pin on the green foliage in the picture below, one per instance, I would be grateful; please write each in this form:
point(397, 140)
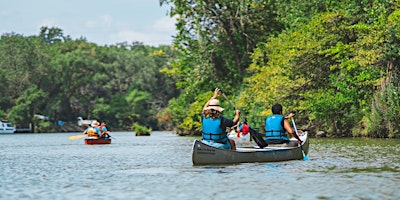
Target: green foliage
point(178, 108)
point(62, 78)
point(27, 105)
point(192, 121)
point(385, 115)
point(136, 101)
point(333, 63)
point(326, 71)
point(43, 126)
point(141, 130)
point(164, 118)
point(325, 65)
point(212, 46)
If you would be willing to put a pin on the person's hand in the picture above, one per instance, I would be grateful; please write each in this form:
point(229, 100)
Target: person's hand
point(237, 112)
point(290, 116)
point(299, 141)
point(216, 93)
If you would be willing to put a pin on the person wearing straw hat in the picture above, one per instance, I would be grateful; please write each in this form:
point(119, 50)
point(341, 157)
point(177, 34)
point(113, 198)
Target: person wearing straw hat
point(214, 124)
point(93, 130)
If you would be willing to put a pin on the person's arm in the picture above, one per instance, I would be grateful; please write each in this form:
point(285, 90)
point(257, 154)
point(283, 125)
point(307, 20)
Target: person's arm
point(216, 95)
point(237, 116)
point(103, 131)
point(228, 122)
point(290, 130)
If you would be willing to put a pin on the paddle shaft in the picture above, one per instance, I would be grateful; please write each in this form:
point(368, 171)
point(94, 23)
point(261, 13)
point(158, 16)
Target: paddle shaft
point(226, 98)
point(111, 136)
point(294, 126)
point(256, 137)
point(76, 137)
point(301, 145)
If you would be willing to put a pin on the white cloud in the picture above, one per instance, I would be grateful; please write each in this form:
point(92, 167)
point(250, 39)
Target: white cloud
point(166, 24)
point(160, 32)
point(153, 39)
point(102, 21)
point(129, 36)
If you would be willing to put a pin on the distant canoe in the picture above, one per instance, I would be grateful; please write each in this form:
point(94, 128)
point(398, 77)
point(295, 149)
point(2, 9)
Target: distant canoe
point(93, 140)
point(203, 154)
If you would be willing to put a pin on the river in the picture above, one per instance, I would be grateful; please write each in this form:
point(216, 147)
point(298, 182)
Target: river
point(49, 166)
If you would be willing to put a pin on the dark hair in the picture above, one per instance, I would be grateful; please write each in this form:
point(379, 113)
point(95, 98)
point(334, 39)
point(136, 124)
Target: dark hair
point(277, 109)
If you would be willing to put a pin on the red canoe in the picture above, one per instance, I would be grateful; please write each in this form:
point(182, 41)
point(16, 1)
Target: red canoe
point(91, 140)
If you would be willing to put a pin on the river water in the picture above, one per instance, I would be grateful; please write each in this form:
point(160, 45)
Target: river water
point(49, 166)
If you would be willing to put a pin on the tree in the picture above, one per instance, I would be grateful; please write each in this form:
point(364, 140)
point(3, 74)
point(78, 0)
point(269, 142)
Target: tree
point(68, 78)
point(213, 43)
point(326, 70)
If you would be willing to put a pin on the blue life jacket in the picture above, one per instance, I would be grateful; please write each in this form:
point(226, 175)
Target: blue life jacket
point(97, 129)
point(274, 129)
point(212, 130)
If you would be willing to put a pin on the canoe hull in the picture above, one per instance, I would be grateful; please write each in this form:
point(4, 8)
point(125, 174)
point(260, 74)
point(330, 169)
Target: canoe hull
point(204, 154)
point(93, 141)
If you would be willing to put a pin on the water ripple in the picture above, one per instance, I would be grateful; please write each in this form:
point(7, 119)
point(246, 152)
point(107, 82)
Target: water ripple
point(49, 166)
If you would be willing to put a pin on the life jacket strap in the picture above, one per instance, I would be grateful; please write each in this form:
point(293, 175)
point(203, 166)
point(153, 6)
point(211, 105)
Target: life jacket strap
point(221, 137)
point(281, 133)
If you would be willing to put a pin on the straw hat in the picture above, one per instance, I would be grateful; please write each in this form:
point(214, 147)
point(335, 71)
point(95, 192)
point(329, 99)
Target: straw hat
point(214, 105)
point(95, 123)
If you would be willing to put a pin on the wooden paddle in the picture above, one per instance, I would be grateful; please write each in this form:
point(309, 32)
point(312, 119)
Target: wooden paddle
point(301, 145)
point(76, 137)
point(256, 137)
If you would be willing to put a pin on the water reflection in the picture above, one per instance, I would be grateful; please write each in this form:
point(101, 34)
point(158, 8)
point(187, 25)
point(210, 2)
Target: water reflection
point(49, 166)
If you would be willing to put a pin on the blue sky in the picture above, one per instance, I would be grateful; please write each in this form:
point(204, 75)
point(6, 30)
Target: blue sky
point(104, 22)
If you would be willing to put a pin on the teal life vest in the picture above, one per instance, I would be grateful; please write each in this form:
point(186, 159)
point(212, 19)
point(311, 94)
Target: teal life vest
point(274, 128)
point(212, 131)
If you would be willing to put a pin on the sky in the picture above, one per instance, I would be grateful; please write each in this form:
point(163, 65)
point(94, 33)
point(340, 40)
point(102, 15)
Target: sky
point(104, 22)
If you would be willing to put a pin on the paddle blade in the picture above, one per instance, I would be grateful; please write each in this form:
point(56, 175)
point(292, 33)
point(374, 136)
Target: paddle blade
point(304, 155)
point(76, 137)
point(258, 138)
